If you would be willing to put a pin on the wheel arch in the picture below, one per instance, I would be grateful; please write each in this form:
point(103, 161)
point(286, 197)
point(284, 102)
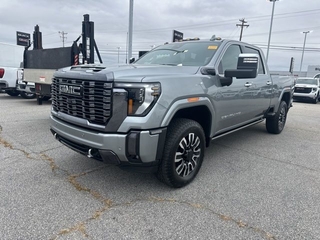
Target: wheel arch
point(201, 113)
point(286, 96)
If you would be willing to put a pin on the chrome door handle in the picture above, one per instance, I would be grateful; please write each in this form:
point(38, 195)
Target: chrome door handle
point(269, 82)
point(248, 84)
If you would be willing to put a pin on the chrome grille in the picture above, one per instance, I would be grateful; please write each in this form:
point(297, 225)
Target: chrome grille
point(86, 99)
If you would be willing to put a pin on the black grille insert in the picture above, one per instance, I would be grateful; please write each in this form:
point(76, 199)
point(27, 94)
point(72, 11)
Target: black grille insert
point(86, 99)
point(302, 90)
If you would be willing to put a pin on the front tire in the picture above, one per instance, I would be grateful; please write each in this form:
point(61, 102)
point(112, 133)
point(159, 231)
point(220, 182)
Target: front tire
point(276, 123)
point(316, 100)
point(12, 93)
point(183, 153)
point(27, 95)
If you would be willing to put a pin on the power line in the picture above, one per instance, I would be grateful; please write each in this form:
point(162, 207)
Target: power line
point(208, 24)
point(281, 31)
point(289, 48)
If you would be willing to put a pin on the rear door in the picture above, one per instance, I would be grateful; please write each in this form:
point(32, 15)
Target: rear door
point(260, 90)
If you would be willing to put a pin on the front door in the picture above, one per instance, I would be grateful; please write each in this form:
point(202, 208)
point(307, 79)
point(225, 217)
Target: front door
point(230, 108)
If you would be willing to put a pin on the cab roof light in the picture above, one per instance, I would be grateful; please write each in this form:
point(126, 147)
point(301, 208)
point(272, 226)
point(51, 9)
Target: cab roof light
point(213, 38)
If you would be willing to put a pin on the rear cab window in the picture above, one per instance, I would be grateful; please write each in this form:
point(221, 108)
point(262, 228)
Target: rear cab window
point(261, 69)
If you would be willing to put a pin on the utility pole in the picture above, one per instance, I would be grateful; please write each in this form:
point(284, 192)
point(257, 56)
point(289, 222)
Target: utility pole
point(63, 37)
point(304, 45)
point(242, 25)
point(118, 53)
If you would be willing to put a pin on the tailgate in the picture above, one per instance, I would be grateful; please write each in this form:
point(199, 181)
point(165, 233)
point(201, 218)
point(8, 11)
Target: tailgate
point(43, 76)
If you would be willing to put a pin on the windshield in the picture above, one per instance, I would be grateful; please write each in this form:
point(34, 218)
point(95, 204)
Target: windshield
point(307, 81)
point(181, 54)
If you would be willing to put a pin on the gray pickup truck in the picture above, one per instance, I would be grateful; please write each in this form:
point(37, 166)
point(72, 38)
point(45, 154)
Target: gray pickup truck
point(162, 111)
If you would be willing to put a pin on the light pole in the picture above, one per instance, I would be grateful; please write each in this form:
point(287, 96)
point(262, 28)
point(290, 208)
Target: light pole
point(118, 53)
point(304, 45)
point(273, 5)
point(130, 30)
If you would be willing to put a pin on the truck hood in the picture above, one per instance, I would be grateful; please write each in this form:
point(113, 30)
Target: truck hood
point(134, 72)
point(306, 85)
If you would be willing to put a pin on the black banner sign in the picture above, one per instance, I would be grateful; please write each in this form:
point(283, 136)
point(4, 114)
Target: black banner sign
point(177, 36)
point(23, 39)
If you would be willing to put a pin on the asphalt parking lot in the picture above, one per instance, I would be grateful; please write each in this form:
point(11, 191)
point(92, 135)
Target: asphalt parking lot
point(252, 185)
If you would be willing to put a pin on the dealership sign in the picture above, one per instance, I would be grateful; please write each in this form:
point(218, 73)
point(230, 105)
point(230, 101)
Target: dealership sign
point(177, 36)
point(23, 39)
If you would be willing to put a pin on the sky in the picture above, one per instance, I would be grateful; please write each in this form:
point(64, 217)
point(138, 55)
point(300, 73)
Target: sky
point(154, 22)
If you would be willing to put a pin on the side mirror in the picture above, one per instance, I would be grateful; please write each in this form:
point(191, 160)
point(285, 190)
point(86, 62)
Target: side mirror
point(208, 71)
point(248, 65)
point(132, 60)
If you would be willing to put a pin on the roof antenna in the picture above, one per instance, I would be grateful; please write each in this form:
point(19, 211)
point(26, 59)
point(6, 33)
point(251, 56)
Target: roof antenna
point(213, 38)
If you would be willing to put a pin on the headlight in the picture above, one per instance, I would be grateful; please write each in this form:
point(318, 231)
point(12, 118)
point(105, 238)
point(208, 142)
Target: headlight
point(314, 89)
point(141, 96)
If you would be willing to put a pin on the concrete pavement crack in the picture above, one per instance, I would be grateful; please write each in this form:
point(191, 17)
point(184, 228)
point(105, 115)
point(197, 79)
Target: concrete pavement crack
point(28, 155)
point(80, 227)
point(108, 204)
point(223, 217)
point(51, 162)
point(6, 144)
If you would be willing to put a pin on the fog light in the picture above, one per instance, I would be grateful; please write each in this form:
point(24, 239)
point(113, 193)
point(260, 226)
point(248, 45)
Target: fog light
point(133, 151)
point(132, 143)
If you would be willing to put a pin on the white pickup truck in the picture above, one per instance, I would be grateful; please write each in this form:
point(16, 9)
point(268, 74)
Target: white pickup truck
point(307, 89)
point(11, 71)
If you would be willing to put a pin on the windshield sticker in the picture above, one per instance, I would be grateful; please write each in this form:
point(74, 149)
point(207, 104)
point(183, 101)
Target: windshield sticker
point(213, 47)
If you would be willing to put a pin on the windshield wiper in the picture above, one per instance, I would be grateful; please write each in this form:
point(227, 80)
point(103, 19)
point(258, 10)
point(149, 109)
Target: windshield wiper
point(169, 64)
point(173, 50)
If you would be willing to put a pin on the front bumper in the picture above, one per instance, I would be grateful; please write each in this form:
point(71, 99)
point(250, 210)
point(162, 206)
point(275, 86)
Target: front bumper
point(305, 96)
point(26, 87)
point(141, 148)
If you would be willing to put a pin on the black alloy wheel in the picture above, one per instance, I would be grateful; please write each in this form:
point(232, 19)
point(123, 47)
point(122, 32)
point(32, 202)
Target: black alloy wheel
point(276, 123)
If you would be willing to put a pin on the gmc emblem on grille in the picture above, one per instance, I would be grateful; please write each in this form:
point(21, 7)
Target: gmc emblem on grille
point(74, 90)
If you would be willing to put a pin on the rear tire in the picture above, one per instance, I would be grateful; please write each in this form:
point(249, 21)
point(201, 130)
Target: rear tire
point(39, 100)
point(183, 153)
point(276, 123)
point(27, 95)
point(46, 98)
point(12, 93)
